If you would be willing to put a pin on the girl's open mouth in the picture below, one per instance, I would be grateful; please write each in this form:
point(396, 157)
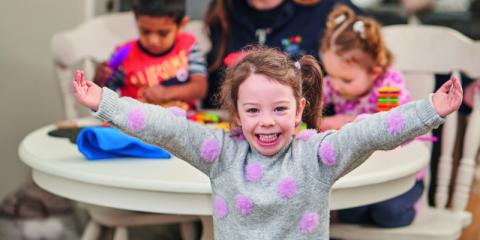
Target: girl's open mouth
point(267, 139)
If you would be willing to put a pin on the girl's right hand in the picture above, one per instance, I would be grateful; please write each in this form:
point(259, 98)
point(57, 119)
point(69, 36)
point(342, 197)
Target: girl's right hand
point(448, 97)
point(86, 93)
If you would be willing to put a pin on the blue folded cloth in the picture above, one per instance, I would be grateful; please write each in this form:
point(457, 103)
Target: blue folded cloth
point(106, 142)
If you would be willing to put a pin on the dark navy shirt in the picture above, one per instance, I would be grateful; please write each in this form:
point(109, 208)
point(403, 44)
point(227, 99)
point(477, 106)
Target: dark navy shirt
point(294, 28)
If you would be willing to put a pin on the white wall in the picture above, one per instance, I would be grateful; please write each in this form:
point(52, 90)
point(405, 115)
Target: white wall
point(29, 95)
point(196, 8)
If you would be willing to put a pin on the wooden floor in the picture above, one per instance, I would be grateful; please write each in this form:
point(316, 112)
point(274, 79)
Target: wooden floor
point(473, 231)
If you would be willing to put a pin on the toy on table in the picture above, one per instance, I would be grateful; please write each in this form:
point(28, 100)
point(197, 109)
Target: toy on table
point(203, 117)
point(301, 127)
point(118, 57)
point(175, 103)
point(388, 98)
point(208, 118)
point(117, 78)
point(224, 125)
point(427, 138)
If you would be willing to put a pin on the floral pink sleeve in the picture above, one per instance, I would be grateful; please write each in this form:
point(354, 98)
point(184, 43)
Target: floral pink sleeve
point(396, 79)
point(327, 91)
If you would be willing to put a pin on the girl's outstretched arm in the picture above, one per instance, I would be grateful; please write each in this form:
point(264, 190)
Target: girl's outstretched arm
point(200, 145)
point(86, 93)
point(344, 150)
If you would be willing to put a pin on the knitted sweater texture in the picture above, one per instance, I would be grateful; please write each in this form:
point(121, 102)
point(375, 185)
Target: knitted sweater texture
point(285, 196)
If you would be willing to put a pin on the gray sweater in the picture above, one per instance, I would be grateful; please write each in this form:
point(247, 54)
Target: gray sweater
point(285, 196)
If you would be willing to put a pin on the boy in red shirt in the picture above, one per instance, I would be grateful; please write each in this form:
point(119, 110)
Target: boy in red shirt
point(165, 65)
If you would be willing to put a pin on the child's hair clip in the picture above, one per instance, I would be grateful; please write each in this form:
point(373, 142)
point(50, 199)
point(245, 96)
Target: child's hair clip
point(339, 19)
point(359, 27)
point(297, 65)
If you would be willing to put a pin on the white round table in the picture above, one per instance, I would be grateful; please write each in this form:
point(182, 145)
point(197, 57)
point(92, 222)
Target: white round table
point(173, 186)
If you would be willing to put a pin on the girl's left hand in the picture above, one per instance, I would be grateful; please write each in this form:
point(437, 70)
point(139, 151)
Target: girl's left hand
point(448, 97)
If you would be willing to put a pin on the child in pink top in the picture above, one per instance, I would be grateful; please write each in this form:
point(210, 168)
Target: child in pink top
point(366, 103)
point(358, 64)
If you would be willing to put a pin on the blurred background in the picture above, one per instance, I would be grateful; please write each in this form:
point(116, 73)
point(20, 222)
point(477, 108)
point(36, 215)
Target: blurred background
point(29, 90)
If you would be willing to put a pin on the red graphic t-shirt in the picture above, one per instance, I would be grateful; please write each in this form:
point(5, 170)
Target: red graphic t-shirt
point(144, 70)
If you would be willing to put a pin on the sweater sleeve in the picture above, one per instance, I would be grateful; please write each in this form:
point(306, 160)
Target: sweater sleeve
point(200, 145)
point(196, 60)
point(342, 151)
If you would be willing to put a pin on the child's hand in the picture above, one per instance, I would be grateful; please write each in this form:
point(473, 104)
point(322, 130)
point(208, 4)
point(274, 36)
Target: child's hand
point(155, 94)
point(102, 73)
point(86, 93)
point(470, 91)
point(335, 122)
point(448, 97)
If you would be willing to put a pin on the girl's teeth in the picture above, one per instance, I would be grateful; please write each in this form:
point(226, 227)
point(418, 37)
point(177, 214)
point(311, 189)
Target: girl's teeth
point(268, 138)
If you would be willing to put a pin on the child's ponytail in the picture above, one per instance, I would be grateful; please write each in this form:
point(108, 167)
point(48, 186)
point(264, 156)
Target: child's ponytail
point(337, 21)
point(347, 31)
point(375, 44)
point(311, 76)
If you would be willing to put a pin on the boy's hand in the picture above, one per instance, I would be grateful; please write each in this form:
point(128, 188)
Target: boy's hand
point(102, 73)
point(448, 97)
point(155, 94)
point(86, 93)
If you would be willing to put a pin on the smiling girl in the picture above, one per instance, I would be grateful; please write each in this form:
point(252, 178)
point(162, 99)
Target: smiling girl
point(266, 182)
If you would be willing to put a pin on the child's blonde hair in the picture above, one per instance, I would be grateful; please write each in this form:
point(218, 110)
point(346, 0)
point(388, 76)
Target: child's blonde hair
point(303, 76)
point(347, 31)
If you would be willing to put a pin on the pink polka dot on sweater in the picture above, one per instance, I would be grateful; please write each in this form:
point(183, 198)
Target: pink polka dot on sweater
point(243, 204)
point(395, 122)
point(210, 150)
point(180, 112)
point(308, 223)
point(239, 137)
point(220, 207)
point(237, 134)
point(327, 154)
point(305, 134)
point(136, 119)
point(287, 187)
point(253, 172)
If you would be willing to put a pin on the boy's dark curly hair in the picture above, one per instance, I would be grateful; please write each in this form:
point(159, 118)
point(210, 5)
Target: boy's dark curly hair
point(160, 8)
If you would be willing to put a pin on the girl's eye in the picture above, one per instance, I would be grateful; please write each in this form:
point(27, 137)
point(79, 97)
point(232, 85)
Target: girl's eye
point(252, 110)
point(280, 109)
point(346, 80)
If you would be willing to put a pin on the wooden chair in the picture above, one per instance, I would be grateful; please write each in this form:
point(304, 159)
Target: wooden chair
point(87, 44)
point(421, 51)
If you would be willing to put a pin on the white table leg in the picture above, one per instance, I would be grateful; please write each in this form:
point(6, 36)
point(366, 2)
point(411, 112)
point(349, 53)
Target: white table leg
point(121, 233)
point(207, 227)
point(91, 232)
